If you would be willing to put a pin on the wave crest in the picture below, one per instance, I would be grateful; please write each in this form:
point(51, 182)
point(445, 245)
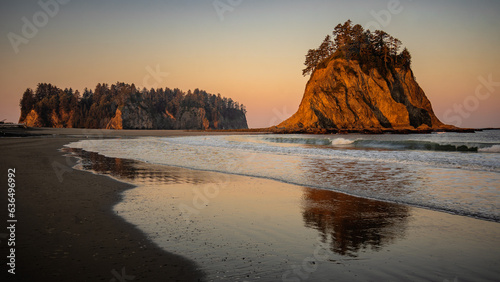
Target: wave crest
point(414, 145)
point(299, 140)
point(492, 149)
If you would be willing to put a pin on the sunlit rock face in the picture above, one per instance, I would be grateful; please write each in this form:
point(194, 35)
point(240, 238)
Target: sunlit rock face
point(343, 96)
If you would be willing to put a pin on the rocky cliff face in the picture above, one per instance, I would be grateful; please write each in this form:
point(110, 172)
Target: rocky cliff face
point(32, 120)
point(61, 120)
point(343, 97)
point(138, 117)
point(234, 121)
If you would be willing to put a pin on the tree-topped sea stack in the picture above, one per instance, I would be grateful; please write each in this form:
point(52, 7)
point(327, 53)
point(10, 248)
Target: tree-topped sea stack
point(122, 106)
point(360, 81)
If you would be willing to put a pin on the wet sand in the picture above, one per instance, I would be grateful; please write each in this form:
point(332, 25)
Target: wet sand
point(66, 230)
point(244, 229)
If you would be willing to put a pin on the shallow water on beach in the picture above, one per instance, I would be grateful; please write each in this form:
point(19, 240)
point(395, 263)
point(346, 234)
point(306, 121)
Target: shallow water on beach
point(451, 172)
point(245, 229)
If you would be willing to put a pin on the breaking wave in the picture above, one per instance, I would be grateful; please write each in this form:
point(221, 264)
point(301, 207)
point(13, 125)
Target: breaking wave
point(492, 149)
point(362, 143)
point(414, 145)
point(299, 140)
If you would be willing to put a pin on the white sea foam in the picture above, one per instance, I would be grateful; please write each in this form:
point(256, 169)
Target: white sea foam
point(492, 149)
point(342, 141)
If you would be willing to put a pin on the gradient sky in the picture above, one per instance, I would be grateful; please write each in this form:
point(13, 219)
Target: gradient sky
point(252, 52)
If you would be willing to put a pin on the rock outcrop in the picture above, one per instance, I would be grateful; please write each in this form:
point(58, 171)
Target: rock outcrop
point(341, 96)
point(61, 120)
point(116, 122)
point(32, 120)
point(194, 118)
point(138, 117)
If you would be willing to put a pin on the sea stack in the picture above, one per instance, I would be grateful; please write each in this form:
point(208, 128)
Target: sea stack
point(362, 85)
point(123, 106)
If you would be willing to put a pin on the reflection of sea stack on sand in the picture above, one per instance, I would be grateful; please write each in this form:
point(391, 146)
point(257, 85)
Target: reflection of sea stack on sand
point(336, 216)
point(359, 81)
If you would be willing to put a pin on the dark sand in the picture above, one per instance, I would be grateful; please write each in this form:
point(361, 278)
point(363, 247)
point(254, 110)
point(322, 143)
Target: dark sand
point(66, 230)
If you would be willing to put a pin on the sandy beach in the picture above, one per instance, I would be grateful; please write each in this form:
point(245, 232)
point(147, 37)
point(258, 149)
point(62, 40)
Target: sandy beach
point(66, 230)
point(82, 225)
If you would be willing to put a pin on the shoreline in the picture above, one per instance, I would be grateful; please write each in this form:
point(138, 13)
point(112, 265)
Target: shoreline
point(66, 227)
point(238, 213)
point(106, 133)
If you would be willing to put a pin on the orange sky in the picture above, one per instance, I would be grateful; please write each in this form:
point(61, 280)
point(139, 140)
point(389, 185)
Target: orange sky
point(251, 51)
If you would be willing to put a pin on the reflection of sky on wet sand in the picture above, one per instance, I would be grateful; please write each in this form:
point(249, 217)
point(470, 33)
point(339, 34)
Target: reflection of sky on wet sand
point(256, 228)
point(135, 172)
point(349, 223)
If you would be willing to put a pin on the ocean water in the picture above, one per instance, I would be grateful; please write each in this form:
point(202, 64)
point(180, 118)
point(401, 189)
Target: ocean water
point(315, 207)
point(458, 173)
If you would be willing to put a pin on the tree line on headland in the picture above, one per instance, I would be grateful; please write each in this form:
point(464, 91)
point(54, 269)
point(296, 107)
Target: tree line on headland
point(50, 106)
point(371, 49)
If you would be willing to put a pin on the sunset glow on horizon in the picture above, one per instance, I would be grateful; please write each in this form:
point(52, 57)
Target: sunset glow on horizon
point(250, 51)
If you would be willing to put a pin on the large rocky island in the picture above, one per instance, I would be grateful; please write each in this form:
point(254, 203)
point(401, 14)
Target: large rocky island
point(361, 82)
point(122, 106)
